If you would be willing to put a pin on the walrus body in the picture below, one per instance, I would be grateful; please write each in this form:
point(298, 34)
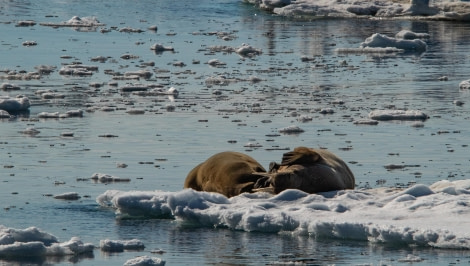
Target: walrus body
point(309, 170)
point(228, 173)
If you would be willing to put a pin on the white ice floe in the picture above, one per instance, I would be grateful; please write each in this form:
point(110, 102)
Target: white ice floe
point(121, 245)
point(9, 87)
point(404, 41)
point(75, 21)
point(17, 104)
point(413, 9)
point(398, 115)
point(410, 35)
point(366, 122)
point(4, 114)
point(463, 85)
point(247, 50)
point(145, 261)
point(291, 130)
point(378, 40)
point(104, 178)
point(32, 242)
point(430, 216)
point(71, 113)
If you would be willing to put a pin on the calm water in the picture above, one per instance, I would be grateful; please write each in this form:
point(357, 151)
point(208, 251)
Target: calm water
point(160, 147)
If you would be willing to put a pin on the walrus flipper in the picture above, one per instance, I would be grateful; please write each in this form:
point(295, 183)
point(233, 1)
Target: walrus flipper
point(300, 155)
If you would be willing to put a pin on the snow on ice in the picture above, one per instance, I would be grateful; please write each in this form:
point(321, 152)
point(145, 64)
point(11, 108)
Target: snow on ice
point(396, 9)
point(433, 216)
point(36, 243)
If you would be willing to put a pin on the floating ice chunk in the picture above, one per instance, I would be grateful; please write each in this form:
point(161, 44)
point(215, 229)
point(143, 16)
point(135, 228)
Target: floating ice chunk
point(9, 87)
point(463, 85)
point(104, 178)
point(75, 21)
point(366, 122)
point(145, 261)
point(411, 258)
point(20, 103)
point(121, 245)
point(429, 216)
point(398, 115)
point(21, 250)
point(68, 196)
point(72, 247)
point(291, 130)
point(29, 43)
point(146, 74)
point(246, 50)
point(409, 35)
point(383, 41)
point(30, 234)
point(157, 47)
point(327, 110)
point(75, 113)
point(31, 131)
point(4, 114)
point(25, 23)
point(216, 62)
point(48, 115)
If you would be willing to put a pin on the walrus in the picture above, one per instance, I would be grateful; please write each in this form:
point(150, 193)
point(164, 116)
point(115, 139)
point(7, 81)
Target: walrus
point(229, 173)
point(309, 170)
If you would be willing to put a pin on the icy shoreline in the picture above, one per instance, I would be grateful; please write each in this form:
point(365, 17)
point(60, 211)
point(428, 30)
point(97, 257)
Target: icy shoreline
point(392, 9)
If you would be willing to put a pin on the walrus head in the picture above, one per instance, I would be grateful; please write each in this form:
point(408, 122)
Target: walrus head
point(306, 169)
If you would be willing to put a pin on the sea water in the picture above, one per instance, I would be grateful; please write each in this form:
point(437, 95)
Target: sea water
point(400, 213)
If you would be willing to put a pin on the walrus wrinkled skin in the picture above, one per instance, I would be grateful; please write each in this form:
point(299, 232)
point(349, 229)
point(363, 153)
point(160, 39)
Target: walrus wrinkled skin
point(309, 170)
point(228, 173)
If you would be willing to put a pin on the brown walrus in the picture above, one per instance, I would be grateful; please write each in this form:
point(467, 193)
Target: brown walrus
point(229, 173)
point(309, 170)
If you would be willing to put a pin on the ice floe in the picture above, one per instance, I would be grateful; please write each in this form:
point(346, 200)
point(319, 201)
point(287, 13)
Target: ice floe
point(291, 130)
point(105, 178)
point(413, 9)
point(404, 41)
point(145, 261)
point(17, 104)
point(33, 242)
point(465, 84)
point(157, 47)
point(430, 216)
point(398, 115)
point(75, 21)
point(121, 245)
point(383, 41)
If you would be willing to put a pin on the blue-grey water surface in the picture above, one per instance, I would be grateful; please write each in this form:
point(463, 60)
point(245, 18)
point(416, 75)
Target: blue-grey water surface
point(161, 146)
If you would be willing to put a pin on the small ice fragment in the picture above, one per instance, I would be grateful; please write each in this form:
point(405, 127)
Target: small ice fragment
point(398, 115)
point(383, 41)
point(409, 35)
point(248, 50)
point(145, 261)
point(464, 85)
point(68, 196)
point(157, 47)
point(366, 122)
point(291, 130)
point(121, 245)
